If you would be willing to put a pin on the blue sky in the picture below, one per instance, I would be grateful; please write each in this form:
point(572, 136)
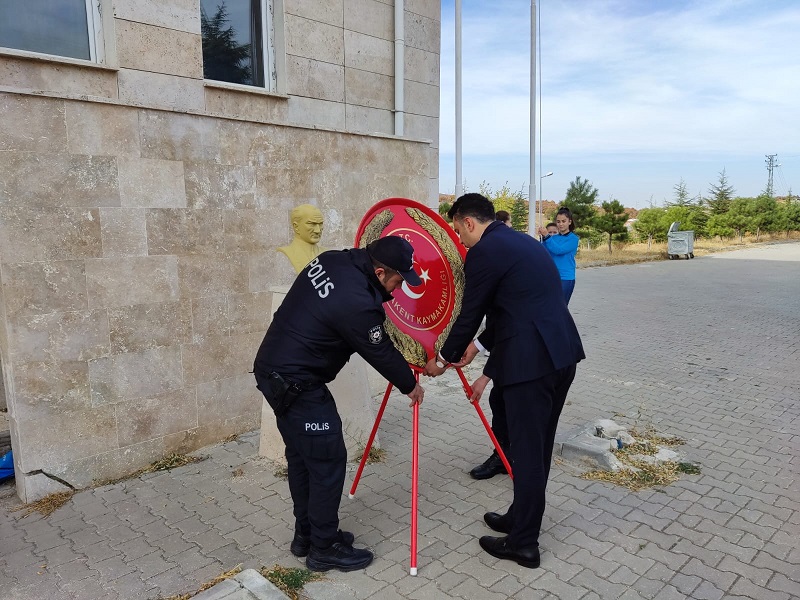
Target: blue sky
point(635, 95)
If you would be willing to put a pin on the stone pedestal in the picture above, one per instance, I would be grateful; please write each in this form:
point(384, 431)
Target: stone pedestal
point(350, 389)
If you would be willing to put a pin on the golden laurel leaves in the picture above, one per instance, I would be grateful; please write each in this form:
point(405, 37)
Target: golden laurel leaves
point(375, 227)
point(411, 349)
point(453, 256)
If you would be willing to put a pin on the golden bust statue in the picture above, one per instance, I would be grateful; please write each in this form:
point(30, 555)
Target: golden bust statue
point(307, 227)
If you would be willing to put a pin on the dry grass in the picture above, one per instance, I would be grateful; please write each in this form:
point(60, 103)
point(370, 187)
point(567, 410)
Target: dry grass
point(207, 585)
point(646, 474)
point(290, 580)
point(171, 461)
point(636, 253)
point(51, 503)
point(45, 506)
point(639, 474)
point(376, 455)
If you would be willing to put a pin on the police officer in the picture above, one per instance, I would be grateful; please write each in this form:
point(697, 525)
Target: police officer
point(333, 309)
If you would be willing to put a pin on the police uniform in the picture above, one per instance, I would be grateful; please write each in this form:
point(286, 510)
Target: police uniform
point(333, 309)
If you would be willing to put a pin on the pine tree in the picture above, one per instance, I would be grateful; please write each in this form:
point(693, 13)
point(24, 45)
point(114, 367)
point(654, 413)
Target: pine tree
point(519, 212)
point(721, 195)
point(580, 200)
point(681, 195)
point(611, 220)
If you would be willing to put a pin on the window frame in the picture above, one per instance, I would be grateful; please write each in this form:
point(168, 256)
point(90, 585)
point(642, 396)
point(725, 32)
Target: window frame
point(94, 26)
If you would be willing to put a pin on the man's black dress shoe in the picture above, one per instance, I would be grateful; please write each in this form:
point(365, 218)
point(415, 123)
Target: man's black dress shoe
point(493, 466)
point(339, 556)
point(497, 522)
point(301, 544)
point(498, 547)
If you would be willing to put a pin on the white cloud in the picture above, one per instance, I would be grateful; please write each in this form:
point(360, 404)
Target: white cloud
point(710, 79)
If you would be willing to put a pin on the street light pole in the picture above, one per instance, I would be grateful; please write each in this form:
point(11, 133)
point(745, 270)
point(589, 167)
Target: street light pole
point(459, 175)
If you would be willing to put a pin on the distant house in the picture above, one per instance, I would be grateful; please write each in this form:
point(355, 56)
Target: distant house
point(150, 153)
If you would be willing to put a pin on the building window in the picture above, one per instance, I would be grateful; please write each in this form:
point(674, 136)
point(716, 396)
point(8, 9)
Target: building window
point(60, 27)
point(238, 44)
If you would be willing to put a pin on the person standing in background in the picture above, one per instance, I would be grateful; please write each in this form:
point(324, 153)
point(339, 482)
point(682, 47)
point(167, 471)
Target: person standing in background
point(563, 247)
point(503, 216)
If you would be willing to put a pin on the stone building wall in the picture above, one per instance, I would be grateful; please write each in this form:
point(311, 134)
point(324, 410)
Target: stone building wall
point(141, 208)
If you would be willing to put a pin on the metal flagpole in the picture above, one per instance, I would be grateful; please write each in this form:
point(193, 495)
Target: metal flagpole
point(532, 180)
point(459, 176)
point(539, 87)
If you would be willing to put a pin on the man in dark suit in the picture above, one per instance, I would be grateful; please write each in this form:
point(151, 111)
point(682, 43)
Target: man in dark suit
point(534, 345)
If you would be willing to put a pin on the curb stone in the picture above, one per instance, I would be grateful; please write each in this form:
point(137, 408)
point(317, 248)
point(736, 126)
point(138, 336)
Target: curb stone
point(247, 585)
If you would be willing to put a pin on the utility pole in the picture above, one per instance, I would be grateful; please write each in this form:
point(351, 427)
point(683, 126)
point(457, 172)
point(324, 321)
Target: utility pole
point(771, 161)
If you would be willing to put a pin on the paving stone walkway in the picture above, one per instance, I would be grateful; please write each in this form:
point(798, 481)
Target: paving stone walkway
point(707, 349)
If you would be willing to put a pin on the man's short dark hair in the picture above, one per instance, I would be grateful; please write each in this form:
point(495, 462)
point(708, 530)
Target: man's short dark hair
point(502, 215)
point(473, 205)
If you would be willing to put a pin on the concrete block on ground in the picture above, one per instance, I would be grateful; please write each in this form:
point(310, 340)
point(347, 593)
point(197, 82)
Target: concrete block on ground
point(581, 445)
point(247, 585)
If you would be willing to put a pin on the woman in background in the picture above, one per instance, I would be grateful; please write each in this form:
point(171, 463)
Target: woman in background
point(563, 247)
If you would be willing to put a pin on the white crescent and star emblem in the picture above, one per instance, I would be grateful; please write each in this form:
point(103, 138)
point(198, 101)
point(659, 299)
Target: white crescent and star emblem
point(412, 294)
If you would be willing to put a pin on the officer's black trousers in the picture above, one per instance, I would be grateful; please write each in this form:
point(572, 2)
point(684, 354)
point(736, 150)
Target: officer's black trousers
point(533, 409)
point(316, 457)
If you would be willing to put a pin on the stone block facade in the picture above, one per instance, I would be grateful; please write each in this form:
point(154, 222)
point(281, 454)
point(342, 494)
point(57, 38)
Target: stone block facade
point(141, 207)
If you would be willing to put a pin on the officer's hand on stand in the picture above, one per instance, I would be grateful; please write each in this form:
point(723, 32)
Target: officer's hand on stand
point(469, 354)
point(432, 369)
point(478, 387)
point(416, 395)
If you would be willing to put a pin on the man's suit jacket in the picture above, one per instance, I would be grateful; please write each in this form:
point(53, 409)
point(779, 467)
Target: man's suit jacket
point(511, 278)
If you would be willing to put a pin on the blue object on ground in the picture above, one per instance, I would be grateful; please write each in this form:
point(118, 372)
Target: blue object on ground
point(6, 466)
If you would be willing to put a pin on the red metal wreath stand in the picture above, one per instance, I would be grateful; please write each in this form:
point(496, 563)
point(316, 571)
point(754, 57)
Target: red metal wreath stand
point(415, 453)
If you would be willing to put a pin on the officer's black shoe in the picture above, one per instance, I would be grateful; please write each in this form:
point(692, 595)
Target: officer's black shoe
point(302, 543)
point(499, 548)
point(498, 522)
point(493, 466)
point(339, 556)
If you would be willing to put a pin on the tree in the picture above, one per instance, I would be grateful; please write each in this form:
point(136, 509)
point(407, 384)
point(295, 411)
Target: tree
point(444, 208)
point(512, 202)
point(580, 200)
point(681, 195)
point(611, 220)
point(718, 225)
point(223, 58)
point(739, 217)
point(649, 224)
point(764, 213)
point(519, 212)
point(721, 195)
point(788, 216)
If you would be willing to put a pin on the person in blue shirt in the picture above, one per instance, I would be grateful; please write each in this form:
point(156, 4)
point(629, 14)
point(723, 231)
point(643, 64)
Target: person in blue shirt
point(563, 247)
